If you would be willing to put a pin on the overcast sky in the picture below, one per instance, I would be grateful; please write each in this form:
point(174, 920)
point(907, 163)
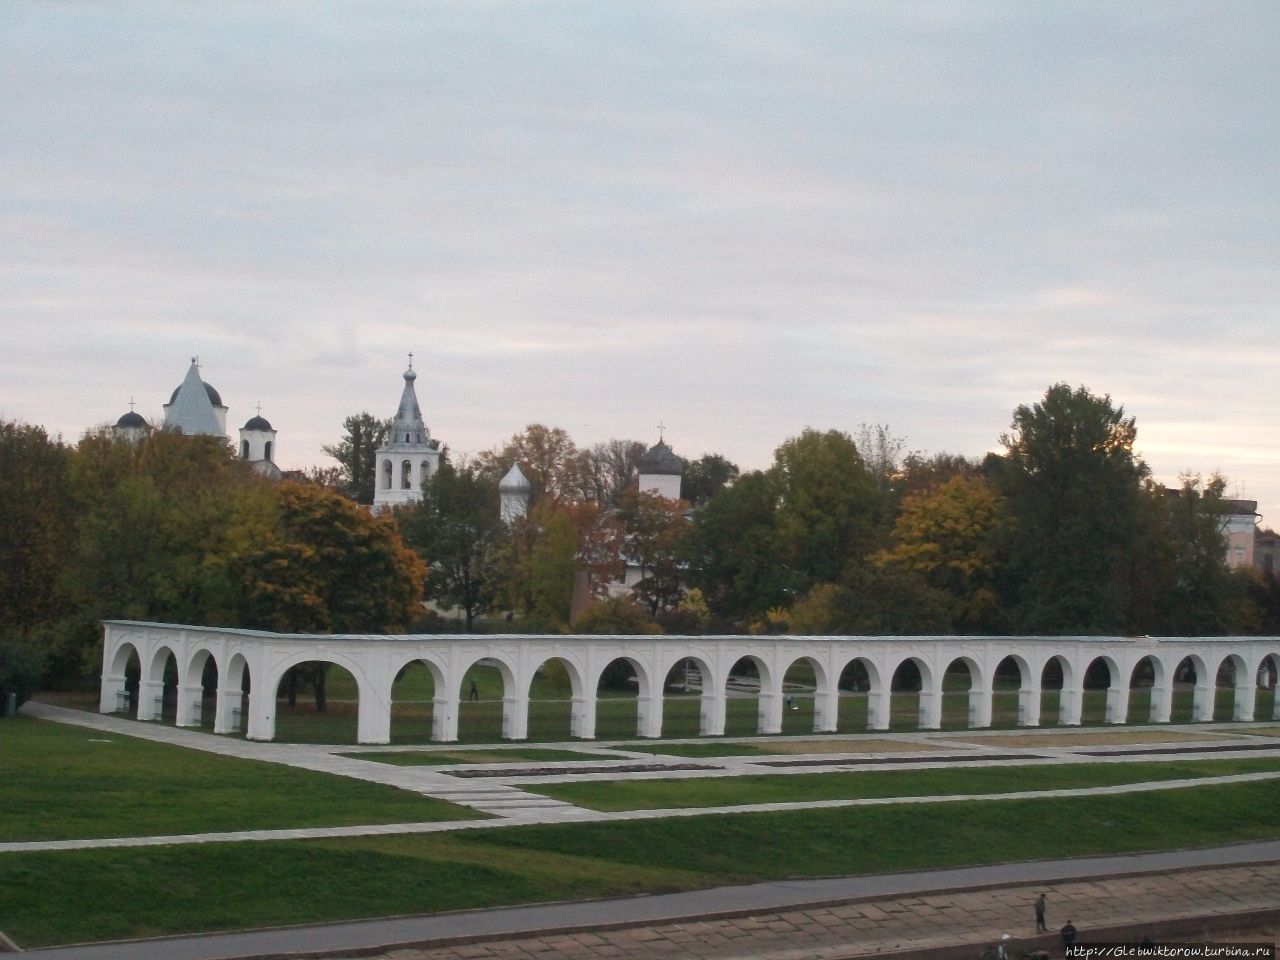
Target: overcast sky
point(735, 219)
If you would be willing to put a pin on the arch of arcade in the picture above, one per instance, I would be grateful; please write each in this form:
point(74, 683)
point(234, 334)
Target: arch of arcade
point(374, 662)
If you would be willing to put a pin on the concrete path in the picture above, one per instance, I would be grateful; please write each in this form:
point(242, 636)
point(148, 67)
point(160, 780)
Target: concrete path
point(790, 920)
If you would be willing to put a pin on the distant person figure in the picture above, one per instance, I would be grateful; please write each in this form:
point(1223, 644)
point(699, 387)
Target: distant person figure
point(1040, 925)
point(791, 702)
point(1068, 934)
point(474, 692)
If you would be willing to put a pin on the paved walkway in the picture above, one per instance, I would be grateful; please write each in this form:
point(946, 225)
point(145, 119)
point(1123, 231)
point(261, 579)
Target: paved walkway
point(790, 920)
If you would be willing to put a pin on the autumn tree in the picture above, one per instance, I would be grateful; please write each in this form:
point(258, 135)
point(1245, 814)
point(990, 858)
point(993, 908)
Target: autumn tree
point(1073, 483)
point(654, 529)
point(705, 477)
point(955, 536)
point(547, 456)
point(362, 435)
point(609, 469)
point(457, 530)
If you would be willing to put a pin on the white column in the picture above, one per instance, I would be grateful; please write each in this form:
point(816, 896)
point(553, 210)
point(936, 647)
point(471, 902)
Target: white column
point(769, 712)
point(1117, 703)
point(582, 721)
point(226, 714)
point(878, 706)
point(712, 707)
point(444, 718)
point(373, 719)
point(113, 698)
point(262, 711)
point(1029, 695)
point(979, 707)
point(515, 718)
point(150, 699)
point(931, 708)
point(189, 705)
point(826, 707)
point(1070, 706)
point(1161, 702)
point(1246, 693)
point(1202, 705)
point(649, 713)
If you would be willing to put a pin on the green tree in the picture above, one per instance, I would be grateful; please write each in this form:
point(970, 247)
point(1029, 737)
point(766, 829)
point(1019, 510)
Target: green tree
point(705, 477)
point(1200, 596)
point(35, 525)
point(547, 456)
point(830, 510)
point(872, 601)
point(538, 564)
point(362, 435)
point(457, 530)
point(1074, 485)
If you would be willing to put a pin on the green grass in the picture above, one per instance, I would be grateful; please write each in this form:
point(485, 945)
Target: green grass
point(415, 758)
point(98, 894)
point(64, 782)
point(791, 788)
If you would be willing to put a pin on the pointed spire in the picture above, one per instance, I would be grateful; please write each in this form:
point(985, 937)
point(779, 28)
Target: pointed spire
point(190, 410)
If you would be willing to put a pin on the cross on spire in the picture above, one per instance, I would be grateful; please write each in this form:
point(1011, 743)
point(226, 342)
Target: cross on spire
point(661, 428)
point(258, 407)
point(410, 359)
point(131, 404)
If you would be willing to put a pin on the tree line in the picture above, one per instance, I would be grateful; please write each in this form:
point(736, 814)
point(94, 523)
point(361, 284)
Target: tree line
point(1063, 532)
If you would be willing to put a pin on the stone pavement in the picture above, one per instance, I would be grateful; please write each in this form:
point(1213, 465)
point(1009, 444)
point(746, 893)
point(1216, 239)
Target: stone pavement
point(787, 920)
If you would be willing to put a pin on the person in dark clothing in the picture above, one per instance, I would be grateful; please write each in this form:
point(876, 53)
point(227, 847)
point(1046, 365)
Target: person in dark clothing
point(1068, 934)
point(474, 692)
point(1040, 925)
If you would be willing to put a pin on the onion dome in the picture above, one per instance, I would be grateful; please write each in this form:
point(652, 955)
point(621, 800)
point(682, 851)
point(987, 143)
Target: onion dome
point(258, 422)
point(515, 481)
point(131, 420)
point(660, 460)
point(214, 397)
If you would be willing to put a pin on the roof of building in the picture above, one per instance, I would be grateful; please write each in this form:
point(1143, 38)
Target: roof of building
point(215, 398)
point(131, 419)
point(190, 409)
point(258, 422)
point(659, 459)
point(515, 481)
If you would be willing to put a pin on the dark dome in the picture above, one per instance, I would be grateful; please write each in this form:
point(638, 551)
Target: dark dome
point(660, 460)
point(131, 419)
point(258, 423)
point(214, 396)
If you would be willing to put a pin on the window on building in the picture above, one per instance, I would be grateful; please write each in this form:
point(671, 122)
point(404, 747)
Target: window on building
point(266, 451)
point(406, 475)
point(386, 474)
point(244, 449)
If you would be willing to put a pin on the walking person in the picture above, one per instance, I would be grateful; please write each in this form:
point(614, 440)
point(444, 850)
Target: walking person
point(474, 692)
point(1040, 924)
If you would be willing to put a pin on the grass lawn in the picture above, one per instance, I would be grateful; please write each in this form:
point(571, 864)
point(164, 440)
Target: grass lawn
point(416, 758)
point(64, 782)
point(789, 788)
point(98, 894)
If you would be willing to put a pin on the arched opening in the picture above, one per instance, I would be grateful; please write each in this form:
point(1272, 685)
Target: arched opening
point(266, 451)
point(1267, 704)
point(406, 475)
point(244, 449)
point(158, 698)
point(1144, 692)
point(685, 708)
point(957, 683)
point(202, 681)
point(618, 701)
point(551, 694)
point(1099, 676)
point(1053, 679)
point(799, 690)
point(386, 474)
point(910, 679)
point(126, 664)
point(742, 699)
point(481, 701)
point(1007, 682)
point(1229, 672)
point(854, 691)
point(317, 702)
point(1188, 689)
point(425, 466)
point(413, 694)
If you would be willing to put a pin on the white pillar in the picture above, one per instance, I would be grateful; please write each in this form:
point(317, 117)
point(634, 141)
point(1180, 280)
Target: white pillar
point(1246, 693)
point(373, 718)
point(878, 707)
point(1161, 702)
point(114, 697)
point(931, 709)
point(582, 721)
point(649, 713)
point(826, 707)
point(150, 699)
point(1029, 705)
point(189, 705)
point(1202, 705)
point(262, 712)
point(769, 712)
point(712, 708)
point(979, 707)
point(226, 715)
point(515, 718)
point(444, 718)
point(1070, 706)
point(1117, 703)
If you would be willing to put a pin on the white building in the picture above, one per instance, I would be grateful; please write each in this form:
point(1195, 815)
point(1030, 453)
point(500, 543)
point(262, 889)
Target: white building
point(409, 456)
